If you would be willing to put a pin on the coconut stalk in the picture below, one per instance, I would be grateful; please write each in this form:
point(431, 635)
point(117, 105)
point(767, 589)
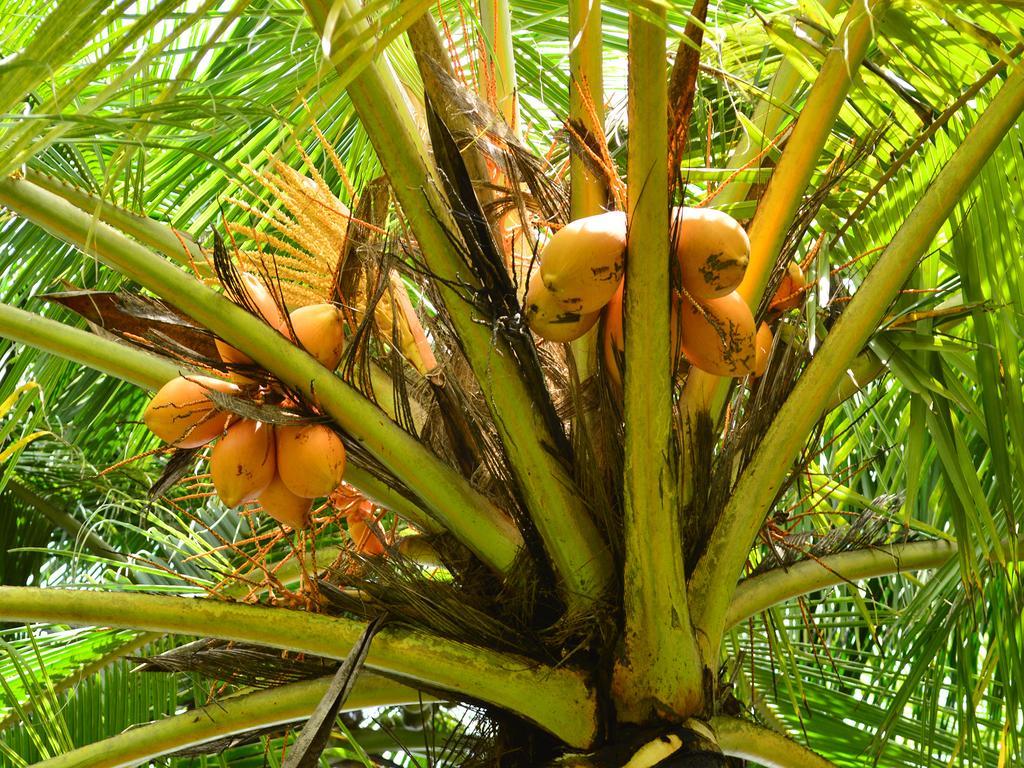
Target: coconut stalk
point(234, 715)
point(559, 700)
point(499, 79)
point(785, 191)
point(180, 247)
point(661, 667)
point(445, 494)
point(714, 579)
point(289, 574)
point(579, 556)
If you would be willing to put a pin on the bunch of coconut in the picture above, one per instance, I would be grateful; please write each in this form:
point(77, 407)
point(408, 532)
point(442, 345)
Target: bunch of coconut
point(580, 270)
point(283, 467)
point(712, 326)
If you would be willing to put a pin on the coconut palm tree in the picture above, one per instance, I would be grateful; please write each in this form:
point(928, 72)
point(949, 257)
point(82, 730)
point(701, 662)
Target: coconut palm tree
point(544, 553)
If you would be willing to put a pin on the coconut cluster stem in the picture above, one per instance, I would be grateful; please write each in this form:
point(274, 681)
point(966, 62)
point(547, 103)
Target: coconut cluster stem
point(661, 667)
point(556, 699)
point(446, 495)
point(571, 539)
point(714, 581)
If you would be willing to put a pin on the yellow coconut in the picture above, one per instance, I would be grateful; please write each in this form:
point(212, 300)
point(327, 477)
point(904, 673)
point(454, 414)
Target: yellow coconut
point(263, 301)
point(182, 413)
point(284, 506)
point(790, 293)
point(713, 251)
point(550, 319)
point(320, 330)
point(242, 462)
point(763, 344)
point(310, 459)
point(718, 336)
point(582, 263)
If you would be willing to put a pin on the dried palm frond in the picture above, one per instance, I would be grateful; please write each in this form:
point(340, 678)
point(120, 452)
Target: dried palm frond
point(240, 664)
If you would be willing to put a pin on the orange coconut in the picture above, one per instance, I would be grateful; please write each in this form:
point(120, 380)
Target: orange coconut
point(550, 319)
point(284, 506)
point(790, 293)
point(718, 336)
point(713, 251)
point(182, 413)
point(260, 298)
point(242, 462)
point(613, 339)
point(310, 459)
point(320, 330)
point(582, 263)
point(763, 348)
point(366, 541)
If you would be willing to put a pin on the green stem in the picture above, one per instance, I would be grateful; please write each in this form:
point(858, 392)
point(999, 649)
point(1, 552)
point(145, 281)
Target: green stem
point(152, 372)
point(758, 593)
point(280, 706)
point(556, 699)
point(576, 548)
point(121, 360)
point(786, 188)
point(714, 580)
point(470, 516)
point(785, 192)
point(749, 741)
point(180, 247)
point(662, 667)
